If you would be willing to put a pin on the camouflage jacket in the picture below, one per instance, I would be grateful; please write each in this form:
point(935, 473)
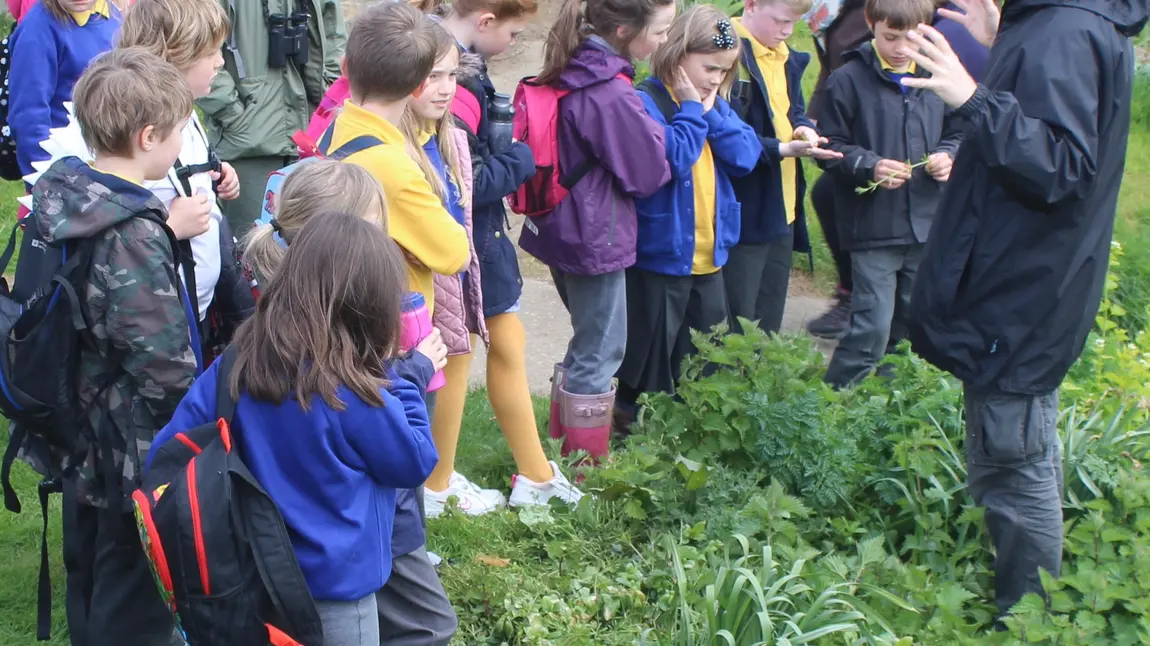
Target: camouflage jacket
point(136, 308)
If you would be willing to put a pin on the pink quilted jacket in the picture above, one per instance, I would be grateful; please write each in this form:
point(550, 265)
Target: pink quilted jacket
point(459, 312)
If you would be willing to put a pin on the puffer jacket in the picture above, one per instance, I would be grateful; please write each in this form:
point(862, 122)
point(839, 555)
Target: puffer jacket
point(459, 314)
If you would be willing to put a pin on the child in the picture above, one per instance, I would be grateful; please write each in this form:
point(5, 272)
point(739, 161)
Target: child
point(189, 35)
point(488, 28)
point(770, 99)
point(131, 107)
point(686, 229)
point(269, 88)
point(878, 125)
point(331, 443)
point(589, 239)
point(312, 190)
point(390, 53)
point(50, 48)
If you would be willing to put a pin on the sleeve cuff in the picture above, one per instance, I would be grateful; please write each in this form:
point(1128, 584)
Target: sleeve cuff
point(974, 104)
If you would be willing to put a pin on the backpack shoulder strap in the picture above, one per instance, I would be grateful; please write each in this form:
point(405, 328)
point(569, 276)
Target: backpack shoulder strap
point(661, 97)
point(359, 144)
point(225, 403)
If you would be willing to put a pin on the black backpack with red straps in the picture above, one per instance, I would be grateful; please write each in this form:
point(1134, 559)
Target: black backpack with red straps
point(216, 542)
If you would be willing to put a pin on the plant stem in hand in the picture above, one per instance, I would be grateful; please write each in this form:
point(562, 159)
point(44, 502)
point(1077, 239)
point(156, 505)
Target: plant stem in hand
point(873, 186)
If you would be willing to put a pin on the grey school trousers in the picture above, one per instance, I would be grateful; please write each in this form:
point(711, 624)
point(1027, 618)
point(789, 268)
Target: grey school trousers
point(411, 610)
point(883, 279)
point(598, 309)
point(1014, 470)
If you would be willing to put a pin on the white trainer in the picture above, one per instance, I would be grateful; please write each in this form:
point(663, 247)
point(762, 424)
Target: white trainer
point(472, 500)
point(525, 492)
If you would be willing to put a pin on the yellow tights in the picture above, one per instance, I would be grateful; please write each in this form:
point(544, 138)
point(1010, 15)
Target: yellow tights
point(510, 398)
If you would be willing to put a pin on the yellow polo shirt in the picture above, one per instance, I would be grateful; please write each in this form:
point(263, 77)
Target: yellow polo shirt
point(703, 181)
point(772, 67)
point(416, 219)
point(82, 17)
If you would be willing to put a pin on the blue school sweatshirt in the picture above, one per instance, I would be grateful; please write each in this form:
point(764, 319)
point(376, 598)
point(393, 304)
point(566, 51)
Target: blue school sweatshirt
point(666, 242)
point(48, 57)
point(333, 474)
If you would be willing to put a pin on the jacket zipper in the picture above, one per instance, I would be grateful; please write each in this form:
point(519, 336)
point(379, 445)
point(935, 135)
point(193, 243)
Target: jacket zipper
point(906, 147)
point(197, 528)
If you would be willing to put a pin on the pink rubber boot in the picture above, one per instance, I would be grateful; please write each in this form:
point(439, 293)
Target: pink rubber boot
point(557, 381)
point(585, 422)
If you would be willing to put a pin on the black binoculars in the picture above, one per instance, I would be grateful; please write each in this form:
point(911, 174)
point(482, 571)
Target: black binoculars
point(287, 39)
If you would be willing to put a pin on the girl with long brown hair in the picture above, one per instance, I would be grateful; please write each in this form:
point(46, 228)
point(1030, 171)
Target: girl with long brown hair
point(324, 419)
point(588, 240)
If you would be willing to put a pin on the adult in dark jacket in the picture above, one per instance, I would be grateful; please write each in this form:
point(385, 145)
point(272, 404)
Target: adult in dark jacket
point(1016, 262)
point(846, 32)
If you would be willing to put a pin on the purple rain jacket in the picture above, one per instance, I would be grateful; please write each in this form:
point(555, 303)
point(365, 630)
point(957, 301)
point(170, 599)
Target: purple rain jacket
point(593, 230)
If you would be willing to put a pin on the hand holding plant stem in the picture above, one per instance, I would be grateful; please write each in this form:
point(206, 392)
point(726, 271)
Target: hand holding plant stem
point(806, 143)
point(891, 174)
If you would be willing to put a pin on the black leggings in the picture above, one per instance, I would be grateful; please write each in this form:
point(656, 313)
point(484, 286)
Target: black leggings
point(823, 199)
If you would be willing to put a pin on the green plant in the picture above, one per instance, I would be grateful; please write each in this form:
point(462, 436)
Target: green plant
point(762, 597)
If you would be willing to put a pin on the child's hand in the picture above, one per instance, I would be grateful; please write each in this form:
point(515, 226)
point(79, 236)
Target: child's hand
point(434, 349)
point(709, 100)
point(806, 143)
point(188, 217)
point(683, 87)
point(939, 165)
point(229, 188)
point(891, 174)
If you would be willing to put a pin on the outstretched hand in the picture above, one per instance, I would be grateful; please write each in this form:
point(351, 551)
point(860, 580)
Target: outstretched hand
point(980, 17)
point(948, 77)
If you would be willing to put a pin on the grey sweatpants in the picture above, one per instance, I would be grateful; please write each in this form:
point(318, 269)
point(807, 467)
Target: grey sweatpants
point(598, 309)
point(1014, 470)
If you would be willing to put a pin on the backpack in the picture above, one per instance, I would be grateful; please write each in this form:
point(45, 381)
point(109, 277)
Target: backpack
point(276, 179)
point(536, 123)
point(216, 542)
point(662, 99)
point(9, 166)
point(42, 331)
point(307, 140)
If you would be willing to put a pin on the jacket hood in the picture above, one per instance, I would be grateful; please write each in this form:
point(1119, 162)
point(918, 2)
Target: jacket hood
point(594, 62)
point(1128, 16)
point(75, 201)
point(471, 66)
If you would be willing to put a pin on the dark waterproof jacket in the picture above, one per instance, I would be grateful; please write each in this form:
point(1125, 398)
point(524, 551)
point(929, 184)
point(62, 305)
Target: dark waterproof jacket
point(868, 117)
point(761, 192)
point(1013, 273)
point(847, 33)
point(496, 175)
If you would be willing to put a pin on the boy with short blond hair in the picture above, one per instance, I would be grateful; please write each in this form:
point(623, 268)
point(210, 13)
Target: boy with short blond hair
point(896, 155)
point(189, 34)
point(769, 97)
point(131, 106)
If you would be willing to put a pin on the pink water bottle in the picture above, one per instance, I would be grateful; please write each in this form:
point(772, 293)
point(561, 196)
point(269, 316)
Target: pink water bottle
point(415, 326)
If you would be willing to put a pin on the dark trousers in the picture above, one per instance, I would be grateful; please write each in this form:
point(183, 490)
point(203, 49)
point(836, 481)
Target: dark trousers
point(880, 301)
point(757, 277)
point(661, 312)
point(111, 598)
point(823, 199)
point(1014, 470)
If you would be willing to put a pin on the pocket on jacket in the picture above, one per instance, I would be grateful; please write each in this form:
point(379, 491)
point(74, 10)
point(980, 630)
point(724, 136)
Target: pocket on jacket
point(1009, 430)
point(660, 235)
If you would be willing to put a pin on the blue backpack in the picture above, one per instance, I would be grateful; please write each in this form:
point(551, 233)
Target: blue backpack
point(276, 179)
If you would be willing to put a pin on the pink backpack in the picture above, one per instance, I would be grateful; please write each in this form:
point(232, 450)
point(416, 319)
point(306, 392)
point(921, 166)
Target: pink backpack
point(308, 139)
point(536, 123)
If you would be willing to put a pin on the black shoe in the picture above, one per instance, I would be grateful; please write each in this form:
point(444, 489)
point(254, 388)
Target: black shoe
point(834, 323)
